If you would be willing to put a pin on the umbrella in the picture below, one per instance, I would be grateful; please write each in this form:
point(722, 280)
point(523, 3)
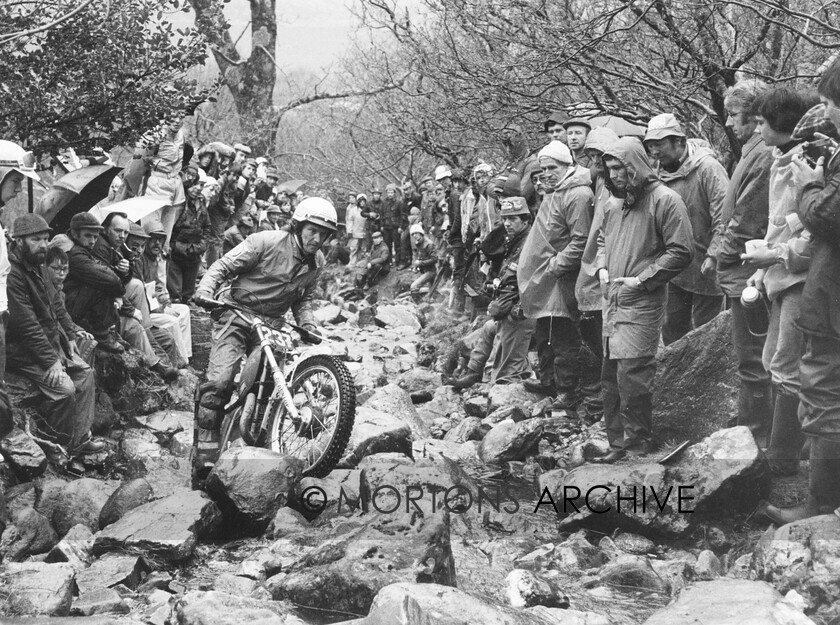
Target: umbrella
point(75, 192)
point(621, 126)
point(291, 186)
point(136, 208)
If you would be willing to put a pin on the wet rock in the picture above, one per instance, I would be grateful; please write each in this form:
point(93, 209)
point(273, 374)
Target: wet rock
point(432, 604)
point(708, 566)
point(181, 444)
point(718, 602)
point(740, 569)
point(444, 402)
point(596, 448)
point(219, 608)
point(376, 432)
point(698, 370)
point(425, 485)
point(167, 528)
point(803, 556)
point(335, 494)
point(29, 533)
point(74, 548)
point(234, 584)
point(104, 415)
point(127, 496)
point(397, 316)
point(460, 452)
point(393, 400)
point(513, 413)
point(99, 601)
point(20, 496)
point(419, 379)
point(476, 406)
point(287, 521)
point(510, 441)
point(24, 456)
point(470, 429)
point(675, 573)
point(631, 572)
point(251, 484)
point(505, 395)
point(79, 501)
point(37, 588)
point(329, 314)
point(526, 589)
point(634, 544)
point(536, 559)
point(111, 570)
point(346, 571)
point(576, 554)
point(713, 477)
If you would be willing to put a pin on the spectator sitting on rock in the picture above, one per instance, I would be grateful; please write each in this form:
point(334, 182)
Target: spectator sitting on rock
point(377, 265)
point(425, 258)
point(40, 346)
point(238, 233)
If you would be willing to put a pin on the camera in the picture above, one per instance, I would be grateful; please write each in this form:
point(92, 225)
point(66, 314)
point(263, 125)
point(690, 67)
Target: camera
point(815, 150)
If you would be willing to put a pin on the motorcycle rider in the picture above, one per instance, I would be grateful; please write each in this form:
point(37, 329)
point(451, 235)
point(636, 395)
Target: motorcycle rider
point(270, 273)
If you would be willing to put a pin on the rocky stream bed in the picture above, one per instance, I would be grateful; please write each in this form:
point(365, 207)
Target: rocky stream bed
point(448, 508)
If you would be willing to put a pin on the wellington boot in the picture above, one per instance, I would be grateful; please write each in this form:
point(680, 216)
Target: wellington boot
point(755, 410)
point(786, 439)
point(204, 454)
point(823, 486)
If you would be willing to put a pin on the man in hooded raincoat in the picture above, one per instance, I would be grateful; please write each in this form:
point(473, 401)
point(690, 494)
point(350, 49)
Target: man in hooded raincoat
point(644, 242)
point(548, 269)
point(693, 171)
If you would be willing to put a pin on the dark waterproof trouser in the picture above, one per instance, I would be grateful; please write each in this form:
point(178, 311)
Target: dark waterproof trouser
point(591, 331)
point(819, 393)
point(218, 225)
point(755, 405)
point(687, 311)
point(181, 275)
point(627, 385)
point(558, 342)
point(68, 411)
point(511, 338)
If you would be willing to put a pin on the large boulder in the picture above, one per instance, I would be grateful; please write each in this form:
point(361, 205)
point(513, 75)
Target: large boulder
point(30, 533)
point(396, 402)
point(397, 316)
point(127, 496)
point(802, 556)
point(346, 571)
point(220, 608)
point(510, 441)
point(167, 529)
point(110, 570)
point(505, 395)
point(23, 454)
point(696, 385)
point(432, 604)
point(730, 602)
point(419, 379)
point(251, 484)
point(376, 432)
point(74, 548)
point(722, 473)
point(37, 588)
point(79, 501)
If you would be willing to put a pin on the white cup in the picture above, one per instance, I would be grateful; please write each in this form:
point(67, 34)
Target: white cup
point(754, 245)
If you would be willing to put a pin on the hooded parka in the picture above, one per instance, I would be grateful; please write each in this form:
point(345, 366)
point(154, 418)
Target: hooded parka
point(701, 182)
point(647, 236)
point(550, 258)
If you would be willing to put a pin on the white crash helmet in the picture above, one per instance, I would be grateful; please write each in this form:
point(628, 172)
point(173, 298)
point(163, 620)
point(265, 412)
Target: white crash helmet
point(15, 158)
point(416, 229)
point(318, 211)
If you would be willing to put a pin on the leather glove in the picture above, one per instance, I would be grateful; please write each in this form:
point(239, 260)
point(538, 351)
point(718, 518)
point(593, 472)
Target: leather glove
point(309, 334)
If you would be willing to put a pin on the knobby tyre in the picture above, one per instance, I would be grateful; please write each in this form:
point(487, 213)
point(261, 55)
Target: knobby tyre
point(324, 393)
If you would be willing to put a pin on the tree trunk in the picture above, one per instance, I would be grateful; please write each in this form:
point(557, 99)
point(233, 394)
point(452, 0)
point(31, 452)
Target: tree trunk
point(250, 80)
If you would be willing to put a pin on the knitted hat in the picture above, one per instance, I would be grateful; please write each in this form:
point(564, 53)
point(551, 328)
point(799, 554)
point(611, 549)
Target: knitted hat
point(558, 151)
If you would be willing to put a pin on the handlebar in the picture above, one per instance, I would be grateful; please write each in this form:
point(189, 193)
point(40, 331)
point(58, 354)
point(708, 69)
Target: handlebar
point(214, 304)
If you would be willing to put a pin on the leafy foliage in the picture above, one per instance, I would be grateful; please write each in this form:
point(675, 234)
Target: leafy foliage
point(98, 77)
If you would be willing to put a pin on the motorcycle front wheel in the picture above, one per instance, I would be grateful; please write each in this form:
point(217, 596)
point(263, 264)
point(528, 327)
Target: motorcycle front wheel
point(325, 397)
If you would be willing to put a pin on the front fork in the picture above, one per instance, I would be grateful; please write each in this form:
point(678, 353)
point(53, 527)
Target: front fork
point(281, 389)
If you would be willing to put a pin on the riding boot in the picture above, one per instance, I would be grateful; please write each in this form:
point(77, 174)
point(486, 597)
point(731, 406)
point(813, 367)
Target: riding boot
point(755, 410)
point(823, 485)
point(786, 438)
point(204, 456)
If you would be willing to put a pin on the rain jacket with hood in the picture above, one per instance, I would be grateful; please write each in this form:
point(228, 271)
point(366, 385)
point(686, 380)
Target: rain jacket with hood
point(588, 288)
point(647, 236)
point(745, 211)
point(550, 258)
point(355, 223)
point(701, 182)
